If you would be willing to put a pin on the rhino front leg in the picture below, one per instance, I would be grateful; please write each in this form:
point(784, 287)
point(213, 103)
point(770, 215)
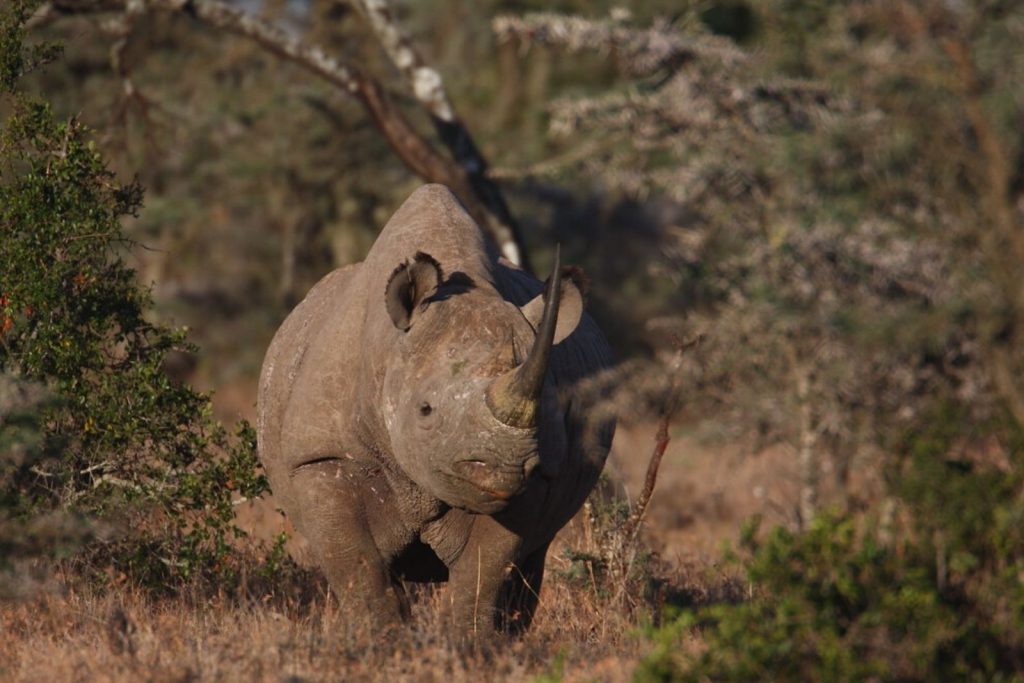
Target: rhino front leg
point(331, 496)
point(478, 578)
point(521, 594)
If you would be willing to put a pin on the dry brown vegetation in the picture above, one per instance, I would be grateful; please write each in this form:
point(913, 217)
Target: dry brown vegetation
point(590, 625)
point(127, 637)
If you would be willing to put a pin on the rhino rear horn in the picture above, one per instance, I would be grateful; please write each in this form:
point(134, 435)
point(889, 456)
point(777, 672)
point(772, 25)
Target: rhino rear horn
point(410, 287)
point(514, 397)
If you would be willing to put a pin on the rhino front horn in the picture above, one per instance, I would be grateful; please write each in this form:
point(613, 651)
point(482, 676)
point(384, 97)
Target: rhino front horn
point(514, 398)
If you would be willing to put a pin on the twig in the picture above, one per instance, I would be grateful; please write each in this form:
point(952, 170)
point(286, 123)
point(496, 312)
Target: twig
point(661, 439)
point(93, 468)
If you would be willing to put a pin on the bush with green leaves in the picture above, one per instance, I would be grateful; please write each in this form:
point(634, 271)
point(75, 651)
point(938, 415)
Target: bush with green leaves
point(926, 587)
point(92, 426)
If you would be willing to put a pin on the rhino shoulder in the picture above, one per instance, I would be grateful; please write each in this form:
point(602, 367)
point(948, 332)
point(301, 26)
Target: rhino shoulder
point(289, 349)
point(293, 337)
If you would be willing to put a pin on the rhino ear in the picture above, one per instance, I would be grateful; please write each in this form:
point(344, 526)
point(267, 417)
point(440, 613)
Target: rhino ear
point(570, 309)
point(409, 288)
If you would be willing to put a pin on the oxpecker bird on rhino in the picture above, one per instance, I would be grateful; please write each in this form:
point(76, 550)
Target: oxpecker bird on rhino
point(422, 417)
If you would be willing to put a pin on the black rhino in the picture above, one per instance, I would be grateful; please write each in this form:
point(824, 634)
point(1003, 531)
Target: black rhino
point(420, 419)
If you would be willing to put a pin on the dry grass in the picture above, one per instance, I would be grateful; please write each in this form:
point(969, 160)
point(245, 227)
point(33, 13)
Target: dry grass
point(594, 605)
point(123, 635)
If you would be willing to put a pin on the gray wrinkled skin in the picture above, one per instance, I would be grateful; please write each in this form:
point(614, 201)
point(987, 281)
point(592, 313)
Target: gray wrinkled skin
point(379, 442)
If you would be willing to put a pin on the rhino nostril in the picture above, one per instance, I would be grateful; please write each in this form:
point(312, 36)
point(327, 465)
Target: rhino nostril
point(499, 481)
point(474, 470)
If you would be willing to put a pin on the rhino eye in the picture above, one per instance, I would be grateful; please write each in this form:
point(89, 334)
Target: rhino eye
point(425, 409)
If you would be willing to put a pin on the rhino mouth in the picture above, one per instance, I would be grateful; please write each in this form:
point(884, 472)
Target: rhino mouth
point(501, 483)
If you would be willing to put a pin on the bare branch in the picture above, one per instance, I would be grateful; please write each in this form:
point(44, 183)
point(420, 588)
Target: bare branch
point(239, 22)
point(425, 81)
point(642, 52)
point(661, 440)
point(428, 88)
point(120, 27)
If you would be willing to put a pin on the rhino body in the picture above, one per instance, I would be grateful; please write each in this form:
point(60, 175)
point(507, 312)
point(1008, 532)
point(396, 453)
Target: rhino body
point(396, 431)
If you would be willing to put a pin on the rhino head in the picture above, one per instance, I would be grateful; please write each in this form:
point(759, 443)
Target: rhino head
point(468, 405)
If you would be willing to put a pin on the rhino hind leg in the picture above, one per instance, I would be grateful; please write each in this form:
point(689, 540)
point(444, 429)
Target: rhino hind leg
point(330, 495)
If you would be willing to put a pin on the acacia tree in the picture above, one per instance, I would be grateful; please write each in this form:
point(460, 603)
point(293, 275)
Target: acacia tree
point(849, 212)
point(848, 238)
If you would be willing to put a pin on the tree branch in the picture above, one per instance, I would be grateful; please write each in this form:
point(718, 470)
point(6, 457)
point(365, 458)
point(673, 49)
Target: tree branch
point(479, 194)
point(641, 52)
point(661, 440)
point(427, 86)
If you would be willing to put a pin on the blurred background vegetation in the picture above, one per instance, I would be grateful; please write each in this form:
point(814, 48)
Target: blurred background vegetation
point(823, 202)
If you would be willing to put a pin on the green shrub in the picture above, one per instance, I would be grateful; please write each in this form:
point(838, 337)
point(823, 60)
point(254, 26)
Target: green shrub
point(938, 596)
point(93, 427)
